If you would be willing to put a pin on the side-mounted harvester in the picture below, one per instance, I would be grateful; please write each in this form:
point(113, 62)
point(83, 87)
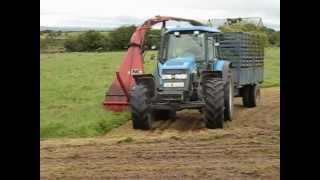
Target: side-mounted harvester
point(201, 68)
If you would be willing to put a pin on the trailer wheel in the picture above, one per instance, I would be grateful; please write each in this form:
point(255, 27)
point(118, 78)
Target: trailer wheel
point(213, 91)
point(228, 100)
point(257, 96)
point(142, 117)
point(164, 114)
point(251, 95)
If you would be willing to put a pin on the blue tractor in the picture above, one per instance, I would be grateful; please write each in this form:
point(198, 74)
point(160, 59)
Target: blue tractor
point(201, 68)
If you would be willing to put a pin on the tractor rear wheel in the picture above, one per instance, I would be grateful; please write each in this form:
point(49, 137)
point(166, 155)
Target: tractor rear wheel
point(251, 95)
point(213, 91)
point(142, 116)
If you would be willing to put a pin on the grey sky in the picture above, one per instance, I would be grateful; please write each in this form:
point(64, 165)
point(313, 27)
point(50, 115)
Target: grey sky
point(103, 13)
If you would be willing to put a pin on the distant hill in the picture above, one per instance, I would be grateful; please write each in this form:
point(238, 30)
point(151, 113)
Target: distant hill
point(65, 29)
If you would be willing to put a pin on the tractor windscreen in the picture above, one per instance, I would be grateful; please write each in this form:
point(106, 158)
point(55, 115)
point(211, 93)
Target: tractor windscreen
point(185, 44)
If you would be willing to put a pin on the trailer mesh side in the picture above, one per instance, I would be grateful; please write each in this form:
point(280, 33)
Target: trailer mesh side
point(246, 53)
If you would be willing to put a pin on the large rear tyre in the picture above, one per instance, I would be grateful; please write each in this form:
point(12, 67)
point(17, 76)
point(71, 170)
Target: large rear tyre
point(228, 100)
point(251, 96)
point(213, 91)
point(142, 116)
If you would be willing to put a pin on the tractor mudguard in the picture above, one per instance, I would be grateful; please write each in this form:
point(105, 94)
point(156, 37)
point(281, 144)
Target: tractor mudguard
point(227, 72)
point(215, 74)
point(224, 67)
point(148, 81)
point(206, 74)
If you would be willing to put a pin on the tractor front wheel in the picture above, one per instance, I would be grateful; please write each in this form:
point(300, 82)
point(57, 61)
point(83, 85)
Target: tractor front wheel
point(213, 91)
point(142, 116)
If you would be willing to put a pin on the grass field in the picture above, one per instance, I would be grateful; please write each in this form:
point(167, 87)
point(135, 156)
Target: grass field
point(73, 85)
point(272, 67)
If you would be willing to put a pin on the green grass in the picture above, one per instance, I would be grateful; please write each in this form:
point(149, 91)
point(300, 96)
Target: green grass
point(73, 85)
point(272, 67)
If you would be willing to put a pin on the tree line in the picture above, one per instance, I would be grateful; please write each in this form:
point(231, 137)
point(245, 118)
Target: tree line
point(116, 40)
point(94, 41)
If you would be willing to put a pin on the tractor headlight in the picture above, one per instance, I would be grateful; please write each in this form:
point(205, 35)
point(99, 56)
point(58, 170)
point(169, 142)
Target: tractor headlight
point(166, 76)
point(180, 76)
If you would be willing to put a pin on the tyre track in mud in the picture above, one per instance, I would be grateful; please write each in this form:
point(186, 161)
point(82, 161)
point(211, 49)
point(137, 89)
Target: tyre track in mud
point(247, 148)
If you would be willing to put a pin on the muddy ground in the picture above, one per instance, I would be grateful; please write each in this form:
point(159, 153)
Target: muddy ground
point(247, 148)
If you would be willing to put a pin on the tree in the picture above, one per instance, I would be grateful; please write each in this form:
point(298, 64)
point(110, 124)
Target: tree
point(106, 44)
point(44, 44)
point(120, 37)
point(91, 40)
point(274, 38)
point(47, 31)
point(52, 34)
point(88, 41)
point(72, 45)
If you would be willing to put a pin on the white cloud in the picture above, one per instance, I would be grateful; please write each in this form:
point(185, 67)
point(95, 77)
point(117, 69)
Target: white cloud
point(102, 13)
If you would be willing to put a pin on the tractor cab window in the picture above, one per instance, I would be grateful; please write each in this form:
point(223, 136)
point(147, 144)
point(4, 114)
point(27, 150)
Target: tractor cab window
point(185, 44)
point(211, 48)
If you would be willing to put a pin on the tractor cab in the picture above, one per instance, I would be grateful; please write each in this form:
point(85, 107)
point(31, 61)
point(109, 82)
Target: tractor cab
point(184, 53)
point(190, 49)
point(191, 42)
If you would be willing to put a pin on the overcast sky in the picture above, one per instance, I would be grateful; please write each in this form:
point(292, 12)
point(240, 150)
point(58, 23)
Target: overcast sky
point(103, 13)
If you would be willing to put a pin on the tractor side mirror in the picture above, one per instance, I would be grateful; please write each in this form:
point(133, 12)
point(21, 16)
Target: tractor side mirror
point(196, 33)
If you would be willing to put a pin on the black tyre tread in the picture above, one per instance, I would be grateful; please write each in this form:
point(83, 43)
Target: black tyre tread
point(249, 97)
point(139, 108)
point(214, 103)
point(246, 96)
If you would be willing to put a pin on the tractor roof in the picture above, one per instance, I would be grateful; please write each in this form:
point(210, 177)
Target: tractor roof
point(194, 28)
